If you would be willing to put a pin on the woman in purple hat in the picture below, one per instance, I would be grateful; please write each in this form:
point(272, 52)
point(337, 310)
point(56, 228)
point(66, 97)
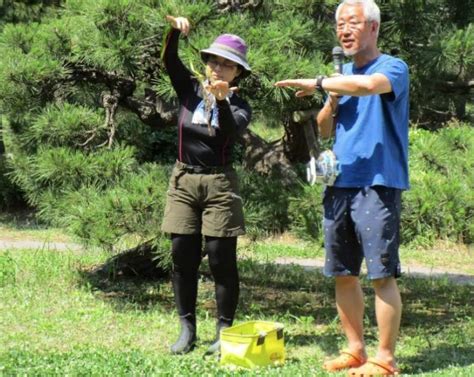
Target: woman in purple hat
point(203, 197)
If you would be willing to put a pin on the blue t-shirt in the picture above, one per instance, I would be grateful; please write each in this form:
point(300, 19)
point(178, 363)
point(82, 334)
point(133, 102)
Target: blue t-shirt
point(372, 131)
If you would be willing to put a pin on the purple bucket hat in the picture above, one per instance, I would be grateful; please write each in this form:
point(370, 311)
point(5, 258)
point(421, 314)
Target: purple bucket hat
point(231, 47)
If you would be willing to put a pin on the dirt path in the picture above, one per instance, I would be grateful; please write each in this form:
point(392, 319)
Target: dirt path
point(46, 245)
point(409, 270)
point(309, 264)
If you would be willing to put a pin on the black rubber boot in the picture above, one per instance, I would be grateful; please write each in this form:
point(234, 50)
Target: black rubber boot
point(222, 323)
point(187, 337)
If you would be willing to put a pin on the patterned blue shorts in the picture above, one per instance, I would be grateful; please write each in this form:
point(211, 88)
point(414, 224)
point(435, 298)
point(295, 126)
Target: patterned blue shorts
point(358, 223)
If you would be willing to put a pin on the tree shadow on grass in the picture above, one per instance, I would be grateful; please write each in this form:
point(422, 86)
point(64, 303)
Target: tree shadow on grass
point(294, 295)
point(275, 289)
point(272, 290)
point(117, 281)
point(442, 357)
point(327, 342)
point(434, 304)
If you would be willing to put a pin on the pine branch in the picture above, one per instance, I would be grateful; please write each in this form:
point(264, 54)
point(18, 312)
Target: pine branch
point(151, 110)
point(267, 158)
point(121, 86)
point(237, 5)
point(460, 87)
point(155, 113)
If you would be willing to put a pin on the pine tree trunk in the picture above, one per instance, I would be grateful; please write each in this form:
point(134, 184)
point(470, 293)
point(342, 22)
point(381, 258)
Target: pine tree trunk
point(278, 157)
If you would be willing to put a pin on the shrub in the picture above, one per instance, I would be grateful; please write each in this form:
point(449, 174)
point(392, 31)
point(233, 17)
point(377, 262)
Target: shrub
point(306, 213)
point(440, 203)
point(265, 203)
point(130, 209)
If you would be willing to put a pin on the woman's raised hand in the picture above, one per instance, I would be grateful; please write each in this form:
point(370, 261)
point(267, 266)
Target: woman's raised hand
point(180, 23)
point(220, 89)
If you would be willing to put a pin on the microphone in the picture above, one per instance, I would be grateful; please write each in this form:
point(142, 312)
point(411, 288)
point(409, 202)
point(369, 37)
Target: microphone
point(337, 58)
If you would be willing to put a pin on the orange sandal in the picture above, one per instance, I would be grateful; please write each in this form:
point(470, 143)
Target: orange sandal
point(345, 360)
point(374, 367)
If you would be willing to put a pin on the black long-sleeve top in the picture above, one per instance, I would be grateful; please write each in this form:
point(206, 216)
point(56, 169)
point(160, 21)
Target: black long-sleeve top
point(196, 144)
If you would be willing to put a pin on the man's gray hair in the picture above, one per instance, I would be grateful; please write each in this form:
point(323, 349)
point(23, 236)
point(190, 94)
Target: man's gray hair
point(371, 10)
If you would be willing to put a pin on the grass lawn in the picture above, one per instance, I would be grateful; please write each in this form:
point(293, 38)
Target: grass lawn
point(57, 319)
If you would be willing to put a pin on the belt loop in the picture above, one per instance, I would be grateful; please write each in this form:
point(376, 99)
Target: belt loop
point(177, 177)
point(180, 172)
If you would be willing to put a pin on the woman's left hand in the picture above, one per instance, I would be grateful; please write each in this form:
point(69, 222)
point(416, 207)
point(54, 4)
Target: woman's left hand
point(220, 89)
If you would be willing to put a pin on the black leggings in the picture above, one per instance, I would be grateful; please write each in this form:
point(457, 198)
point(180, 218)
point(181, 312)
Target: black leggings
point(222, 257)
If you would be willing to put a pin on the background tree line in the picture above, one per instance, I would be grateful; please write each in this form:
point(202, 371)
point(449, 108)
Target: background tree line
point(89, 115)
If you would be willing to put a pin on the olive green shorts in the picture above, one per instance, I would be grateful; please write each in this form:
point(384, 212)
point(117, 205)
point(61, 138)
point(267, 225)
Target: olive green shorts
point(208, 204)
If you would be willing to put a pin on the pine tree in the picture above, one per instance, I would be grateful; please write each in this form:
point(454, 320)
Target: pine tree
point(12, 11)
point(89, 114)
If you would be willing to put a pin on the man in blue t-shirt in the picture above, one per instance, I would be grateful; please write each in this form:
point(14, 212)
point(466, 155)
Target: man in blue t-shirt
point(367, 109)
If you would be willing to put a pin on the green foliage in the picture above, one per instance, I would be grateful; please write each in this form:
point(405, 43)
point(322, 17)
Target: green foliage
point(14, 11)
point(26, 80)
point(440, 203)
point(306, 213)
point(265, 204)
point(56, 170)
point(103, 217)
point(66, 125)
point(435, 39)
point(56, 132)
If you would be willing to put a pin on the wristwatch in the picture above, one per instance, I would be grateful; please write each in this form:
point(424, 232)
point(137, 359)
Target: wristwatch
point(319, 83)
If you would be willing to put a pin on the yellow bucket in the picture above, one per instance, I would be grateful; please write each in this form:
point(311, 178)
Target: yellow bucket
point(252, 344)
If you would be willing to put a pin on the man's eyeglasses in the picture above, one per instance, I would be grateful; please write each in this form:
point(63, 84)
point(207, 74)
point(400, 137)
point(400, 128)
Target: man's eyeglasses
point(353, 25)
point(226, 64)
